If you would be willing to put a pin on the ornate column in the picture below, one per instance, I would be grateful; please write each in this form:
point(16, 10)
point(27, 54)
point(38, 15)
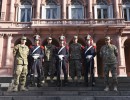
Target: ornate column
point(3, 10)
point(38, 9)
point(11, 10)
point(16, 12)
point(90, 9)
point(116, 8)
point(64, 9)
point(121, 58)
point(1, 46)
point(8, 51)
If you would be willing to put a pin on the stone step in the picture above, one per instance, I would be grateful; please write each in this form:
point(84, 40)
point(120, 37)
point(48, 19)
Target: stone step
point(65, 98)
point(66, 93)
point(98, 79)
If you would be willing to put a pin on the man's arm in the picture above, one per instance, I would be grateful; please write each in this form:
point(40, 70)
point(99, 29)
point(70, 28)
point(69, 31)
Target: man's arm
point(15, 50)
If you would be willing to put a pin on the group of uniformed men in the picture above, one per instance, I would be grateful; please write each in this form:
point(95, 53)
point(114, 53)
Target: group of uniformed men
point(48, 60)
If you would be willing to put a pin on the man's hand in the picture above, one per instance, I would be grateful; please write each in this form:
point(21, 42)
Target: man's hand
point(88, 57)
point(61, 57)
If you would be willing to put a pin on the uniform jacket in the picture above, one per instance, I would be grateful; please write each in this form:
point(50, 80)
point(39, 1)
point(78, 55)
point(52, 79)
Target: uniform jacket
point(75, 51)
point(38, 51)
point(109, 54)
point(49, 51)
point(91, 51)
point(64, 52)
point(21, 54)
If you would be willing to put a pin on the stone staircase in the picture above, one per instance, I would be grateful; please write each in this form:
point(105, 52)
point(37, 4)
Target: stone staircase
point(70, 92)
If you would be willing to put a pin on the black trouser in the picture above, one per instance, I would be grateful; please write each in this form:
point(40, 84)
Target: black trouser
point(37, 66)
point(62, 66)
point(89, 68)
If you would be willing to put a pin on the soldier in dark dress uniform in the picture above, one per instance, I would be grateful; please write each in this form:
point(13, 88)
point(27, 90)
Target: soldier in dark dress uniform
point(37, 53)
point(61, 60)
point(89, 54)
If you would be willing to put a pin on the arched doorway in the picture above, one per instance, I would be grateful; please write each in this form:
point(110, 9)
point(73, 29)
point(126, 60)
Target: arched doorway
point(54, 42)
point(127, 56)
point(99, 44)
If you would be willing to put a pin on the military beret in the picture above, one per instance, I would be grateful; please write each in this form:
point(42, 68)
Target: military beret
point(107, 38)
point(36, 37)
point(23, 38)
point(62, 38)
point(49, 38)
point(75, 37)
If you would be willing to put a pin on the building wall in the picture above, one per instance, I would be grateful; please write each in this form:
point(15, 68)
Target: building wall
point(94, 21)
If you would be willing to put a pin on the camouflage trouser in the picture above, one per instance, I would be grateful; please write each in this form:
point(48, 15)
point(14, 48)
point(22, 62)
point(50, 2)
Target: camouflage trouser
point(113, 69)
point(20, 75)
point(75, 68)
point(49, 69)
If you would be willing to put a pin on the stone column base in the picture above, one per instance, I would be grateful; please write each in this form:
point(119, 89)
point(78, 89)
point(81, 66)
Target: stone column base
point(122, 71)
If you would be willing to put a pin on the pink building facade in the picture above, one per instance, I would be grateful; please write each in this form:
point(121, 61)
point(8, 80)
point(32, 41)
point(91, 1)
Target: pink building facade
point(65, 17)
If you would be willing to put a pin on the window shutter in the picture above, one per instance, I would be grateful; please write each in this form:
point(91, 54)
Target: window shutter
point(43, 12)
point(95, 11)
point(58, 12)
point(69, 11)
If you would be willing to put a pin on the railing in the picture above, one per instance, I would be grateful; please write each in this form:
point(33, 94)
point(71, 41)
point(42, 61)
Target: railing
point(22, 24)
point(10, 24)
point(73, 22)
point(64, 22)
point(127, 23)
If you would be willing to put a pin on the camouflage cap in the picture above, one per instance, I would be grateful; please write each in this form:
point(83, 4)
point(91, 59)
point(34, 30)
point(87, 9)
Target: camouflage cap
point(36, 37)
point(49, 38)
point(23, 38)
point(62, 38)
point(107, 38)
point(88, 37)
point(75, 37)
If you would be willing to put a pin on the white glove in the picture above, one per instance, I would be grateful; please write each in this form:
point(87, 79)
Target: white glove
point(61, 57)
point(35, 56)
point(88, 57)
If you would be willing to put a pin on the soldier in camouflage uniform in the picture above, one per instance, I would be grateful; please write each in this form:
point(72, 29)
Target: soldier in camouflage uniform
point(109, 54)
point(21, 52)
point(75, 66)
point(49, 61)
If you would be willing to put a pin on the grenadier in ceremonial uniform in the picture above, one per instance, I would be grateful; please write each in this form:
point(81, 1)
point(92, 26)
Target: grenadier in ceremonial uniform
point(37, 53)
point(61, 60)
point(49, 59)
point(89, 54)
point(20, 53)
point(75, 53)
point(109, 54)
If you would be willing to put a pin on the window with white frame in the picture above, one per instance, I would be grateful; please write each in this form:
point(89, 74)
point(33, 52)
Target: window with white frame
point(25, 12)
point(51, 10)
point(76, 10)
point(126, 10)
point(102, 10)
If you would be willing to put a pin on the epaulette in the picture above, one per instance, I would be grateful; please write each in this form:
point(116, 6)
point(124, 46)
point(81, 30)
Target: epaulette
point(42, 47)
point(30, 46)
point(82, 47)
